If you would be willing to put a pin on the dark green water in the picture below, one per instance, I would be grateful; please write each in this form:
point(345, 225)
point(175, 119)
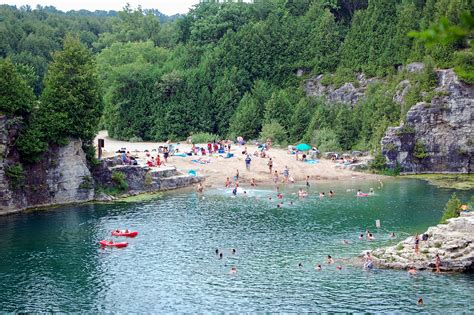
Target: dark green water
point(51, 261)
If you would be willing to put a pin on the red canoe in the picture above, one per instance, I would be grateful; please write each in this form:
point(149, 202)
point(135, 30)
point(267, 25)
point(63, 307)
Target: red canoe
point(122, 233)
point(114, 244)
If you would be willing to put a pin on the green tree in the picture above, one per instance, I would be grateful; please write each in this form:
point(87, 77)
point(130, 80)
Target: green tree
point(299, 120)
point(16, 97)
point(246, 121)
point(452, 209)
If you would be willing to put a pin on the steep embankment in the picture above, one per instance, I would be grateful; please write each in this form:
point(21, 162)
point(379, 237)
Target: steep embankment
point(60, 177)
point(454, 242)
point(437, 136)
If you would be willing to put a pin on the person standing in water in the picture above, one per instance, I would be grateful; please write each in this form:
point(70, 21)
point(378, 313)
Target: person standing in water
point(200, 188)
point(417, 244)
point(437, 263)
point(307, 181)
point(237, 175)
point(330, 260)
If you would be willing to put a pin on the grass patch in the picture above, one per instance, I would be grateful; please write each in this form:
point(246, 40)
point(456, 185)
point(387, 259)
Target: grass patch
point(456, 181)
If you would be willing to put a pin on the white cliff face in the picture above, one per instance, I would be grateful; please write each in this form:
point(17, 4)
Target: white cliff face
point(444, 127)
point(454, 242)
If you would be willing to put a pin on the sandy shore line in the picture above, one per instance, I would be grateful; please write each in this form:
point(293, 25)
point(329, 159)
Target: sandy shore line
point(220, 168)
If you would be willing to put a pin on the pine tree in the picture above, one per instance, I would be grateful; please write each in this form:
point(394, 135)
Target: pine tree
point(16, 97)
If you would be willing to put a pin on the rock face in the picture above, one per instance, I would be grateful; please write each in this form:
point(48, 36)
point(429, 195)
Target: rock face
point(145, 179)
point(350, 93)
point(60, 177)
point(437, 137)
point(454, 242)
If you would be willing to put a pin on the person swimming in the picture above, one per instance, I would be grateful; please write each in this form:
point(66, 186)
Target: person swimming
point(318, 268)
point(234, 191)
point(345, 242)
point(412, 271)
point(371, 237)
point(420, 301)
point(217, 251)
point(233, 251)
point(361, 237)
point(221, 255)
point(339, 267)
point(245, 193)
point(331, 193)
point(279, 196)
point(392, 235)
point(321, 194)
point(233, 270)
point(330, 260)
point(300, 265)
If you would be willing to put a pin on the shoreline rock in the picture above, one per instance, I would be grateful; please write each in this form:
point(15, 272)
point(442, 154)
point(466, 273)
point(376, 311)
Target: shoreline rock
point(453, 241)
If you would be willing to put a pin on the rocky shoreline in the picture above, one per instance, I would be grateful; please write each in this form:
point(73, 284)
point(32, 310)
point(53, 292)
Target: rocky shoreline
point(453, 241)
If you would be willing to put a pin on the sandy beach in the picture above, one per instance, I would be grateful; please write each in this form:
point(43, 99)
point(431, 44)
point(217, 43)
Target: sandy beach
point(219, 168)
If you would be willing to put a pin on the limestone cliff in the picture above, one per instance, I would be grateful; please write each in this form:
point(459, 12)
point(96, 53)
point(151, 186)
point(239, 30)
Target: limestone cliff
point(437, 137)
point(60, 177)
point(454, 242)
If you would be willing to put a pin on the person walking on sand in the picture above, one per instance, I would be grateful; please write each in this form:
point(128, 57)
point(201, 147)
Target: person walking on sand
point(270, 165)
point(286, 173)
point(247, 162)
point(236, 177)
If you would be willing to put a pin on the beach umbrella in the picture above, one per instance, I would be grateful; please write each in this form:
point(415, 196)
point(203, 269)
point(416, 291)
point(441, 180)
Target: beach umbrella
point(303, 147)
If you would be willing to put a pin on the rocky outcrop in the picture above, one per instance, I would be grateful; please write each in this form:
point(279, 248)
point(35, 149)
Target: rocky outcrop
point(437, 137)
point(350, 93)
point(454, 242)
point(145, 179)
point(60, 177)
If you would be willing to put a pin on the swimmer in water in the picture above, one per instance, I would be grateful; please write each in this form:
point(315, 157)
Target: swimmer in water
point(233, 251)
point(371, 237)
point(331, 193)
point(345, 242)
point(371, 191)
point(330, 260)
point(318, 268)
point(321, 194)
point(221, 255)
point(245, 193)
point(252, 182)
point(420, 301)
point(300, 265)
point(217, 252)
point(233, 270)
point(392, 235)
point(200, 188)
point(279, 196)
point(234, 191)
point(361, 237)
point(339, 267)
point(307, 182)
point(412, 271)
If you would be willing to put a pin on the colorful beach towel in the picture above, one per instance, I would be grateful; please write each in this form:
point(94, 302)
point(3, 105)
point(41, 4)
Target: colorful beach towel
point(312, 161)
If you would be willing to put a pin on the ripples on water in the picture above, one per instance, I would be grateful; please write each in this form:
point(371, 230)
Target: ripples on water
point(51, 260)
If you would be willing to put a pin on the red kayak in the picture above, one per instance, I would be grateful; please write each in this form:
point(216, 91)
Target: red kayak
point(126, 234)
point(113, 244)
point(362, 195)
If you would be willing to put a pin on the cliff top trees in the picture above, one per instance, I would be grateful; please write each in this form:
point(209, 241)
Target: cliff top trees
point(16, 97)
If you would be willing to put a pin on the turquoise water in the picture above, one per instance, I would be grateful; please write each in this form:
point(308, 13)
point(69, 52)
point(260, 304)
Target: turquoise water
point(51, 261)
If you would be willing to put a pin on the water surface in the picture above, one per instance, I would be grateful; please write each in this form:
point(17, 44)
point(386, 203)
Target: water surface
point(51, 261)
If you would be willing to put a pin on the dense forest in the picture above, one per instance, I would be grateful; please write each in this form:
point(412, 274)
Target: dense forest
point(226, 69)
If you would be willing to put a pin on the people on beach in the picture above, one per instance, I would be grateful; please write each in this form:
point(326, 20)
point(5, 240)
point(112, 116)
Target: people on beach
point(286, 173)
point(247, 162)
point(307, 181)
point(236, 177)
point(275, 177)
point(253, 183)
point(270, 165)
point(227, 182)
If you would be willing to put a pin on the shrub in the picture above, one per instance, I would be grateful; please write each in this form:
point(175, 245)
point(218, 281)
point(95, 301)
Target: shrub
point(274, 131)
point(87, 183)
point(378, 163)
point(452, 209)
point(420, 151)
point(204, 137)
point(325, 140)
point(464, 65)
point(135, 139)
point(120, 181)
point(400, 247)
point(16, 175)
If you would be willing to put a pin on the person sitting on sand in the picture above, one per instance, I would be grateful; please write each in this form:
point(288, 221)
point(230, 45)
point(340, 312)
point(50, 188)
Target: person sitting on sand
point(158, 160)
point(252, 182)
point(227, 182)
point(330, 260)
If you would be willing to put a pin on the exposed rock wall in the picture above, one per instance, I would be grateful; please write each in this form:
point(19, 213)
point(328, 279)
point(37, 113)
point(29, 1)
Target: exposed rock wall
point(454, 242)
point(349, 93)
point(442, 128)
point(60, 177)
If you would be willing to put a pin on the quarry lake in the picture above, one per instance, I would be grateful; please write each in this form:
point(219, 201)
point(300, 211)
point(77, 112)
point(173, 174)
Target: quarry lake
point(51, 259)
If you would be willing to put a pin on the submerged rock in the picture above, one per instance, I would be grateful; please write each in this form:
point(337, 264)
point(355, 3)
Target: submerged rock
point(454, 242)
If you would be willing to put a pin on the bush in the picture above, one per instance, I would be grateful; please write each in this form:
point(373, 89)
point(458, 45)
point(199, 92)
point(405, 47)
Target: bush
point(204, 137)
point(378, 163)
point(325, 140)
point(120, 181)
point(464, 65)
point(452, 209)
point(420, 151)
point(135, 139)
point(274, 131)
point(16, 175)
